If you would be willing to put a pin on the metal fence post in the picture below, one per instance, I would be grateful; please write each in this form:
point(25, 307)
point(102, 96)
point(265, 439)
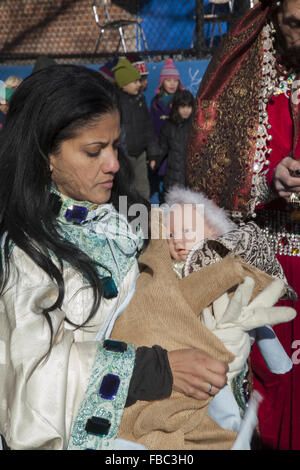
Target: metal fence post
point(199, 28)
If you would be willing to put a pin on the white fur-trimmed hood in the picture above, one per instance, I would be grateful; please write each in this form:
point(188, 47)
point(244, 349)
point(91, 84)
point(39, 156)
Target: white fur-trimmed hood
point(215, 216)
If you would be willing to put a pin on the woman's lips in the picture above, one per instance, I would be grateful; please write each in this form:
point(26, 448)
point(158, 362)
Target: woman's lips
point(107, 184)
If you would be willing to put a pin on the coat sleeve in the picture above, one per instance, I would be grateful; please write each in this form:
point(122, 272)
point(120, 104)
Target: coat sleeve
point(45, 397)
point(164, 139)
point(152, 378)
point(153, 150)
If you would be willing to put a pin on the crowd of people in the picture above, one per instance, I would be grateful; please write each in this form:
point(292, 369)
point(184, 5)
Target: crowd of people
point(156, 137)
point(118, 334)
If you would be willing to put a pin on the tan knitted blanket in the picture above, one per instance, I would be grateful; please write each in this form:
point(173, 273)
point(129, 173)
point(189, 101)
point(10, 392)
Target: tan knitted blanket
point(165, 311)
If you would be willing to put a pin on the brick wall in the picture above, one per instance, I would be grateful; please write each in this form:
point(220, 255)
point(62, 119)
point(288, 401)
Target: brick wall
point(57, 27)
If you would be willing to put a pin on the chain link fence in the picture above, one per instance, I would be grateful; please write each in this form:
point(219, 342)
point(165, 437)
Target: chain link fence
point(87, 31)
point(190, 28)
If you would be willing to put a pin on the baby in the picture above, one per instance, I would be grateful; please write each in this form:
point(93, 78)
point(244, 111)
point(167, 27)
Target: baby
point(200, 233)
point(204, 295)
point(190, 218)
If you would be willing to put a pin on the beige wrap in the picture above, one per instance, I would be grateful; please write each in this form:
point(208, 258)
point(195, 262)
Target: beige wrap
point(164, 311)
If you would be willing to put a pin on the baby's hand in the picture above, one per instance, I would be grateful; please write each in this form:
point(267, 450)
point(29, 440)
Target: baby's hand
point(232, 319)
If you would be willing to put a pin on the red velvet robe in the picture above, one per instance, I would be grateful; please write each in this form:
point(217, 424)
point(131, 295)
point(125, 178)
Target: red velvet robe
point(279, 414)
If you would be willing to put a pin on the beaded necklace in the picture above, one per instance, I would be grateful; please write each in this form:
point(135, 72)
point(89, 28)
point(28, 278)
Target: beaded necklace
point(285, 84)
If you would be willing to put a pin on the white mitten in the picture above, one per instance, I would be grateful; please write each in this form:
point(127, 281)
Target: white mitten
point(231, 319)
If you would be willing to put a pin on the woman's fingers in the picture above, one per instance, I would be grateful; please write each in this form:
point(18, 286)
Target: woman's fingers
point(196, 374)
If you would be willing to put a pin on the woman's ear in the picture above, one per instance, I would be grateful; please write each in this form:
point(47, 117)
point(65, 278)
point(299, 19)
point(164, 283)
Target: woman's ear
point(51, 165)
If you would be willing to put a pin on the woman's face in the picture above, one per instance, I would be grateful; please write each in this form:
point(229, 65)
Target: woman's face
point(85, 166)
point(170, 85)
point(185, 111)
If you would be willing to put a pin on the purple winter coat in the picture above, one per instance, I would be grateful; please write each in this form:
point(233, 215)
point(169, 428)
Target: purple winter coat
point(157, 111)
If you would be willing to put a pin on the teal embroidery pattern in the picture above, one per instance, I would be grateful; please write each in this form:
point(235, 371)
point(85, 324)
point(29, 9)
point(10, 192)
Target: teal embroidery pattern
point(238, 389)
point(106, 362)
point(105, 236)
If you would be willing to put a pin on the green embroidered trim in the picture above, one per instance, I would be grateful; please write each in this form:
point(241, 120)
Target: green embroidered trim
point(91, 237)
point(106, 362)
point(238, 389)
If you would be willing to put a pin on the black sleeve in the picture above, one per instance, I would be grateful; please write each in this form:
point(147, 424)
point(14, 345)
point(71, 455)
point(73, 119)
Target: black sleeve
point(152, 377)
point(123, 144)
point(164, 138)
point(152, 146)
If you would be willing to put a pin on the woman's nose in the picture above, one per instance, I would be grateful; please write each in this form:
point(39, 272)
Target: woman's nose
point(111, 164)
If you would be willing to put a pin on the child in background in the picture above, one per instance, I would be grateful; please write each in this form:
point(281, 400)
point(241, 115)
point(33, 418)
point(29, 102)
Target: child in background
point(141, 67)
point(169, 83)
point(174, 137)
point(141, 142)
point(13, 82)
point(106, 70)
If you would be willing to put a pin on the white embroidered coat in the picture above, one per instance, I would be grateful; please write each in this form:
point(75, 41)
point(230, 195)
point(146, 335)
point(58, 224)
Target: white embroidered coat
point(39, 400)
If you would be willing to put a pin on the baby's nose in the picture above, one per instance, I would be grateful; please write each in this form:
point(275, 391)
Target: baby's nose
point(179, 243)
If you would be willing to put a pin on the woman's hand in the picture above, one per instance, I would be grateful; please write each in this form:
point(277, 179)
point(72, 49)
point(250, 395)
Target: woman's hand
point(284, 181)
point(196, 374)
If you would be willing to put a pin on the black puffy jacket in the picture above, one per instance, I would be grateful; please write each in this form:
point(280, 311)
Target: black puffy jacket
point(173, 144)
point(137, 124)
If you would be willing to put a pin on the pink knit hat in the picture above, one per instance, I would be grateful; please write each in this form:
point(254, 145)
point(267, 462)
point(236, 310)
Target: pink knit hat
point(168, 71)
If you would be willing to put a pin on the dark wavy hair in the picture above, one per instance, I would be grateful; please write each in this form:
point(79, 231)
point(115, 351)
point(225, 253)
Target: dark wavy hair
point(49, 107)
point(181, 98)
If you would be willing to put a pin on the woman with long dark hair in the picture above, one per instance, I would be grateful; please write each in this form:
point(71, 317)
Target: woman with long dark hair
point(68, 268)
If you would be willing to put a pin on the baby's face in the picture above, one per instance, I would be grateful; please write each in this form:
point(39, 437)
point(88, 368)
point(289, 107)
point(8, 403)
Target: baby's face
point(187, 227)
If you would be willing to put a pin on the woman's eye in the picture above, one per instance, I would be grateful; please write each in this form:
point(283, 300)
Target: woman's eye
point(91, 154)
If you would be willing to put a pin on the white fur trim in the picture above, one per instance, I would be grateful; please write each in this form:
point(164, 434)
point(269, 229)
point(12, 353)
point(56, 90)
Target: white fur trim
point(214, 215)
